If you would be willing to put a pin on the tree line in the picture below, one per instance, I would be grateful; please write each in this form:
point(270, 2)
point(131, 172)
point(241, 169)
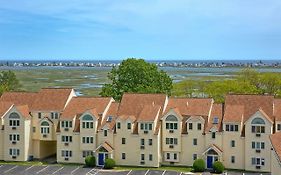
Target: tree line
point(8, 82)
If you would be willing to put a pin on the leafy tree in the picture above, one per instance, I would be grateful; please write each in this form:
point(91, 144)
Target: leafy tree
point(8, 81)
point(136, 75)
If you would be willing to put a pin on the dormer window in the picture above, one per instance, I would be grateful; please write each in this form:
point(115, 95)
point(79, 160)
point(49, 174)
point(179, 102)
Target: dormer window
point(45, 127)
point(14, 119)
point(215, 120)
point(109, 118)
point(87, 122)
point(66, 124)
point(146, 126)
point(171, 122)
point(258, 126)
point(129, 125)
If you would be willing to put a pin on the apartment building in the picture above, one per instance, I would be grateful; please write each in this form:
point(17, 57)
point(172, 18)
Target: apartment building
point(142, 129)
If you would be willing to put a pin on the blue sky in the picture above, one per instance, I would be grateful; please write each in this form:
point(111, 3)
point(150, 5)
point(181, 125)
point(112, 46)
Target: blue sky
point(150, 29)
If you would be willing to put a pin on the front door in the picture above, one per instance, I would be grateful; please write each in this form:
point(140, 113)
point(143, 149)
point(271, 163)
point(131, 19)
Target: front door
point(209, 162)
point(101, 159)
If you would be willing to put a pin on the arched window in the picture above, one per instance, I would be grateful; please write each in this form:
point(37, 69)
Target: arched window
point(171, 118)
point(171, 122)
point(45, 127)
point(212, 152)
point(14, 119)
point(258, 121)
point(87, 122)
point(258, 126)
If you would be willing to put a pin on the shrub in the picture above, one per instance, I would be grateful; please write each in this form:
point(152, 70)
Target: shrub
point(218, 167)
point(109, 163)
point(90, 161)
point(199, 165)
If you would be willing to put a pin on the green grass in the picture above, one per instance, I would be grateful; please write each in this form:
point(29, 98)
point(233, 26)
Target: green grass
point(169, 168)
point(22, 163)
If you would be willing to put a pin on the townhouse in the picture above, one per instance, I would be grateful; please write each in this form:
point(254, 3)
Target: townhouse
point(142, 129)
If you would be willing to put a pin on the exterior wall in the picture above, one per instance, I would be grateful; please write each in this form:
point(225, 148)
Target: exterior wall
point(275, 163)
point(238, 151)
point(264, 137)
point(1, 144)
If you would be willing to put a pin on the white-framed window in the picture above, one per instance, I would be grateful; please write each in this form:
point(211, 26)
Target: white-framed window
point(66, 124)
point(87, 153)
point(14, 137)
point(279, 127)
point(232, 159)
point(87, 140)
point(150, 142)
point(231, 127)
point(171, 141)
point(171, 122)
point(258, 125)
point(258, 161)
point(87, 122)
point(142, 143)
point(118, 125)
point(129, 125)
point(258, 145)
point(142, 157)
point(14, 152)
point(123, 141)
point(123, 156)
point(14, 120)
point(190, 125)
point(194, 141)
point(150, 157)
point(199, 126)
point(66, 153)
point(39, 115)
point(66, 139)
point(45, 127)
point(170, 156)
point(105, 132)
point(194, 156)
point(54, 115)
point(146, 126)
point(232, 143)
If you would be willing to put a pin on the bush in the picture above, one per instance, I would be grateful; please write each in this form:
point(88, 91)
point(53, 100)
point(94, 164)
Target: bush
point(90, 161)
point(199, 165)
point(218, 167)
point(109, 163)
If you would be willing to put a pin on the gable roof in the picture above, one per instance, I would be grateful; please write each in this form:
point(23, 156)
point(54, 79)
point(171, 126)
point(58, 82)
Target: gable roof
point(233, 113)
point(51, 99)
point(79, 105)
point(149, 113)
point(275, 141)
point(216, 112)
point(24, 110)
point(132, 104)
point(191, 106)
point(112, 111)
point(19, 98)
point(4, 107)
point(277, 109)
point(251, 104)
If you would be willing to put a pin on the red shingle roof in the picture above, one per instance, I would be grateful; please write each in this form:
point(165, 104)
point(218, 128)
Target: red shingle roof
point(112, 111)
point(149, 113)
point(233, 113)
point(276, 143)
point(19, 98)
point(4, 107)
point(216, 112)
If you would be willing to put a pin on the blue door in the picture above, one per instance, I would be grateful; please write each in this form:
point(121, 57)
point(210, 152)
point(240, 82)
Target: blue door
point(101, 159)
point(209, 161)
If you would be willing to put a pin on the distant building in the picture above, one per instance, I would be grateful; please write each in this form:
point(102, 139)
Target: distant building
point(142, 130)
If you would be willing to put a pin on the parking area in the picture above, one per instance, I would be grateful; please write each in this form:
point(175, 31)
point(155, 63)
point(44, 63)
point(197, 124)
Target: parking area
point(79, 170)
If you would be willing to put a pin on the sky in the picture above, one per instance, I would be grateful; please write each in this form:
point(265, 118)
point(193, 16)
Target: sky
point(149, 29)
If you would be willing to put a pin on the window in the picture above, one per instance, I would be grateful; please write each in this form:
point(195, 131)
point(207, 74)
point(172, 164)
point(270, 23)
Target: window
point(87, 122)
point(54, 115)
point(34, 129)
point(109, 118)
point(105, 132)
point(14, 119)
point(14, 152)
point(190, 126)
point(66, 153)
point(258, 129)
point(87, 140)
point(14, 137)
point(142, 157)
point(45, 128)
point(150, 157)
point(172, 126)
point(123, 141)
point(194, 156)
point(199, 126)
point(258, 145)
point(87, 153)
point(168, 156)
point(123, 156)
point(150, 142)
point(215, 120)
point(66, 124)
point(232, 143)
point(279, 127)
point(258, 161)
point(39, 115)
point(66, 139)
point(118, 125)
point(171, 141)
point(231, 128)
point(129, 125)
point(232, 159)
point(175, 156)
point(213, 135)
point(142, 142)
point(194, 141)
point(146, 126)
